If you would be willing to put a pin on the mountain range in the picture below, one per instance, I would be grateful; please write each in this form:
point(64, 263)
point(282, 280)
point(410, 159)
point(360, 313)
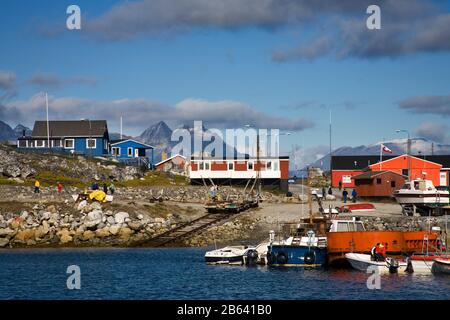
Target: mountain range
point(9, 134)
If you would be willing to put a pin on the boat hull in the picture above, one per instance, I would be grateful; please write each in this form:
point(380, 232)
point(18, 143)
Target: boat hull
point(422, 198)
point(398, 242)
point(441, 266)
point(296, 256)
point(225, 260)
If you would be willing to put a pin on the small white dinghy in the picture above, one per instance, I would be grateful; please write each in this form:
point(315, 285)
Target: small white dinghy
point(441, 266)
point(234, 255)
point(362, 262)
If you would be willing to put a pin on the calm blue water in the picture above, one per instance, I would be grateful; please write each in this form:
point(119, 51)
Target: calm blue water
point(182, 274)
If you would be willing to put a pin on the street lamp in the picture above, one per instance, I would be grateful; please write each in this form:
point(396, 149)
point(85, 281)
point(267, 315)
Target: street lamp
point(408, 150)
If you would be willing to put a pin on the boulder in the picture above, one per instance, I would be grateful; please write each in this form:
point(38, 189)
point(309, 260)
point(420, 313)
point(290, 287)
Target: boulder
point(88, 235)
point(24, 235)
point(12, 171)
point(125, 234)
point(82, 204)
point(7, 232)
point(135, 225)
point(93, 218)
point(114, 229)
point(111, 220)
point(3, 242)
point(102, 233)
point(121, 216)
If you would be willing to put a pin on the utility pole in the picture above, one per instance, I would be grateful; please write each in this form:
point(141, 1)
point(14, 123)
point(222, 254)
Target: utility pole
point(48, 125)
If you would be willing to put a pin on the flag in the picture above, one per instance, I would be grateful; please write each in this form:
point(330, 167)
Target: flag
point(385, 149)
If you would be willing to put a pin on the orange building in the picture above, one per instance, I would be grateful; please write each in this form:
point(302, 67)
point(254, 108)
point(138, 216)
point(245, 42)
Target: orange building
point(420, 168)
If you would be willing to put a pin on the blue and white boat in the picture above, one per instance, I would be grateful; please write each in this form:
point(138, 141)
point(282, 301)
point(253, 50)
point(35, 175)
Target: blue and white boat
point(300, 250)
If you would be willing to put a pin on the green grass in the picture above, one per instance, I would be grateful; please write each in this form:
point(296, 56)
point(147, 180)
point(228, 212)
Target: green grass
point(155, 179)
point(47, 178)
point(5, 181)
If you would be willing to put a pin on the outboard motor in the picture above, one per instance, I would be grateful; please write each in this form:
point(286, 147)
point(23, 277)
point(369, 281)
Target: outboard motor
point(252, 257)
point(392, 265)
point(409, 266)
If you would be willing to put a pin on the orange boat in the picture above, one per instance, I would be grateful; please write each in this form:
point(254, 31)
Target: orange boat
point(396, 242)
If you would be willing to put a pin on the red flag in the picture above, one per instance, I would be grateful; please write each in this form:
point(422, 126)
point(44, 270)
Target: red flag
point(386, 149)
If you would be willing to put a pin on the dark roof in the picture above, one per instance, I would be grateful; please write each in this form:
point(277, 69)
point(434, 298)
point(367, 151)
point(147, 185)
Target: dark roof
point(115, 142)
point(355, 162)
point(72, 128)
point(245, 157)
point(362, 162)
point(373, 174)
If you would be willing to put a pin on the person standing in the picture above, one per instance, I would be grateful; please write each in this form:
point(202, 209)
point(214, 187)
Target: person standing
point(340, 185)
point(330, 191)
point(345, 195)
point(37, 186)
point(95, 186)
point(112, 188)
point(324, 193)
point(59, 187)
point(354, 195)
point(105, 188)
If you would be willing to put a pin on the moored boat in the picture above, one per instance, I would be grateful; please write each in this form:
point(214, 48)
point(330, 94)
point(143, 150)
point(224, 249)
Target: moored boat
point(441, 266)
point(363, 262)
point(237, 255)
point(421, 192)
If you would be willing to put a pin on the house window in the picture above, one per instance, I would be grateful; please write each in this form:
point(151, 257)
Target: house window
point(207, 165)
point(405, 172)
point(40, 143)
point(130, 152)
point(269, 165)
point(250, 165)
point(23, 143)
point(69, 143)
point(275, 166)
point(201, 166)
point(57, 143)
point(105, 144)
point(378, 180)
point(230, 165)
point(115, 151)
point(91, 143)
point(392, 184)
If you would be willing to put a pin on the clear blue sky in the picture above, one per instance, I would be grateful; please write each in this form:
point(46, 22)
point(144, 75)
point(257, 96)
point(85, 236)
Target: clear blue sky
point(232, 61)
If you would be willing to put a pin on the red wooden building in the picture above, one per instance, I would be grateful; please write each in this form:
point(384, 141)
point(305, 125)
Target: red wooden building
point(435, 168)
point(380, 184)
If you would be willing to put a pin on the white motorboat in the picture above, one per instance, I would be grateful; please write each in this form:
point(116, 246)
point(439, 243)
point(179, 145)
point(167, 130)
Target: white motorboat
point(362, 262)
point(237, 255)
point(441, 266)
point(421, 192)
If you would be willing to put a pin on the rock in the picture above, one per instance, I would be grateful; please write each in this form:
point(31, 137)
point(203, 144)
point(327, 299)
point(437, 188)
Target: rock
point(7, 232)
point(160, 220)
point(140, 216)
point(125, 234)
point(52, 209)
point(46, 215)
point(65, 238)
point(135, 225)
point(95, 206)
point(26, 172)
point(15, 224)
point(12, 171)
point(93, 218)
point(88, 235)
point(114, 229)
point(24, 235)
point(82, 204)
point(102, 233)
point(3, 242)
point(120, 217)
point(41, 231)
point(111, 220)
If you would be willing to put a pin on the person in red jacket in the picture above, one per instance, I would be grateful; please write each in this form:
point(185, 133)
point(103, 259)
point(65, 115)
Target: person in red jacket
point(380, 252)
point(59, 187)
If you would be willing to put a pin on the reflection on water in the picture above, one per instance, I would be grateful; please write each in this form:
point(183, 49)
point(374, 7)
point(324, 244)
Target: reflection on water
point(181, 273)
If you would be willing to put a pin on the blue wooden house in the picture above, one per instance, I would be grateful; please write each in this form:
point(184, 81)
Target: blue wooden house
point(85, 137)
point(132, 152)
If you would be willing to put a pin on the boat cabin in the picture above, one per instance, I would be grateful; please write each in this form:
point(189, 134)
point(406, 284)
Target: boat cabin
point(346, 226)
point(419, 185)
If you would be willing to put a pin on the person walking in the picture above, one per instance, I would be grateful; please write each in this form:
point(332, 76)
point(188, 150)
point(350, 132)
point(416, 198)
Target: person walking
point(59, 187)
point(37, 186)
point(330, 191)
point(354, 195)
point(105, 188)
point(95, 186)
point(345, 195)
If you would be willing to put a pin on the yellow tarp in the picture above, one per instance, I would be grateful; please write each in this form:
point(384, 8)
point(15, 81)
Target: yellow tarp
point(97, 195)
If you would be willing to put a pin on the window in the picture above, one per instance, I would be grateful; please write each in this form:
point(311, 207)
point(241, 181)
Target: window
point(105, 144)
point(392, 184)
point(201, 166)
point(269, 165)
point(342, 226)
point(23, 143)
point(130, 152)
point(275, 166)
point(206, 165)
point(69, 143)
point(91, 143)
point(40, 143)
point(405, 172)
point(57, 143)
point(115, 151)
point(378, 180)
point(230, 165)
point(250, 165)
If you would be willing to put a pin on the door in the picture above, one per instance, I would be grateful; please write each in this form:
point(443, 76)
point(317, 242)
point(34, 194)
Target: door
point(136, 153)
point(443, 178)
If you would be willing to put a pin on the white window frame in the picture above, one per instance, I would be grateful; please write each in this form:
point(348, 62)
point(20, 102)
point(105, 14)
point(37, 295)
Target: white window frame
point(276, 166)
point(248, 165)
point(207, 165)
point(117, 153)
point(87, 143)
point(53, 143)
point(201, 166)
point(65, 144)
point(232, 166)
point(130, 151)
point(41, 144)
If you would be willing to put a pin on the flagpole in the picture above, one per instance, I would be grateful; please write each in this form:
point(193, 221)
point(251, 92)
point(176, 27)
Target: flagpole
point(381, 155)
point(48, 127)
